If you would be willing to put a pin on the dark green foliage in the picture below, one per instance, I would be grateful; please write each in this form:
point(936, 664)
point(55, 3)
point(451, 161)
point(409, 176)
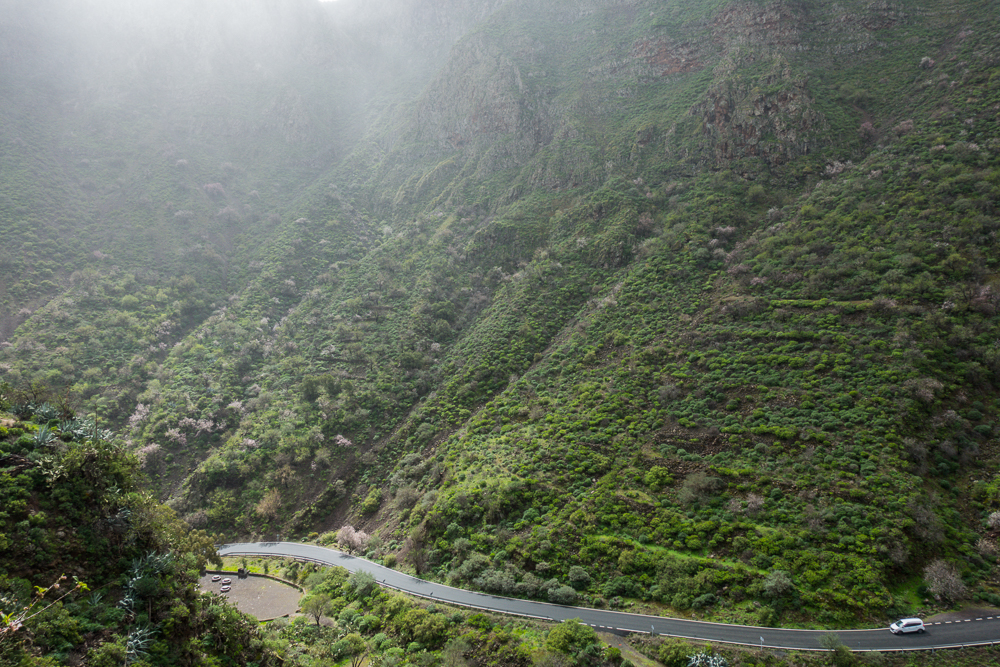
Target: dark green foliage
point(674, 653)
point(495, 648)
point(562, 595)
point(420, 625)
point(619, 587)
point(841, 653)
point(138, 559)
point(572, 637)
point(317, 606)
point(579, 578)
point(778, 584)
point(697, 315)
point(359, 585)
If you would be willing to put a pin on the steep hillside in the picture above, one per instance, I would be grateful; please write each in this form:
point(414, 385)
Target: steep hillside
point(94, 569)
point(150, 151)
point(167, 139)
point(693, 304)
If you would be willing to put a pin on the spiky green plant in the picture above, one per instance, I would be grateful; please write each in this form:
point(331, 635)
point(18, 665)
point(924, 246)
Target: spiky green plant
point(45, 412)
point(44, 437)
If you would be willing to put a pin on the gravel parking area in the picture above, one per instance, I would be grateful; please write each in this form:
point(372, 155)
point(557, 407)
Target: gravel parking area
point(258, 596)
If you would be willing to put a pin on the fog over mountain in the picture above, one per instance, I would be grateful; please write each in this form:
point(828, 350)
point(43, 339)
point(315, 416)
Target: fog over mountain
point(697, 298)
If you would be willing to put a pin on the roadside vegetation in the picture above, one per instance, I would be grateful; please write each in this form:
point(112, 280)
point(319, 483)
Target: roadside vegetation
point(96, 571)
point(699, 317)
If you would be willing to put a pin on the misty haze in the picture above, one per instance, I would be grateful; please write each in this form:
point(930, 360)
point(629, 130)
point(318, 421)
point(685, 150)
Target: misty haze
point(684, 308)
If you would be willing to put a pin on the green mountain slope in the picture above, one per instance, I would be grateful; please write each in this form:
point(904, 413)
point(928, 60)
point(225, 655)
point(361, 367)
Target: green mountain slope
point(699, 298)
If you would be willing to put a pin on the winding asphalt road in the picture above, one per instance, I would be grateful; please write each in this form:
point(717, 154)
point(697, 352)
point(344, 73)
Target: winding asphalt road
point(949, 634)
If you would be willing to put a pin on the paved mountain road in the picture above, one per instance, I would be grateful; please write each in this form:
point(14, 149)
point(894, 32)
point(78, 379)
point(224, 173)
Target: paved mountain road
point(949, 634)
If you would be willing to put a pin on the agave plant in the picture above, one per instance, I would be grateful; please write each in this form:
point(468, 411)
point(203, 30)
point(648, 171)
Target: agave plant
point(151, 563)
point(44, 437)
point(82, 429)
point(46, 412)
point(706, 660)
point(85, 429)
point(128, 601)
point(66, 428)
point(138, 641)
point(23, 410)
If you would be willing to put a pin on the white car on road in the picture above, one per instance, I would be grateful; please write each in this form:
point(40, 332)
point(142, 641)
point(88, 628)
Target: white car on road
point(907, 625)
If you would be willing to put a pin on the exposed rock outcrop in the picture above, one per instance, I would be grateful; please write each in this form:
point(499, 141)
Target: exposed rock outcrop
point(772, 118)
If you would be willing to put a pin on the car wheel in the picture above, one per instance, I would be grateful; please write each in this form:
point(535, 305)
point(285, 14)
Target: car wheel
point(921, 631)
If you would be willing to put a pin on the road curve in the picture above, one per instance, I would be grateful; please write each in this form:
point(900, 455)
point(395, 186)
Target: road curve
point(972, 632)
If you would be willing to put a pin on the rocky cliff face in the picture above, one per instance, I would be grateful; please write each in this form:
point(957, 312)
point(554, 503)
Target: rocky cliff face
point(787, 27)
point(774, 26)
point(665, 56)
point(771, 118)
point(483, 107)
point(506, 97)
